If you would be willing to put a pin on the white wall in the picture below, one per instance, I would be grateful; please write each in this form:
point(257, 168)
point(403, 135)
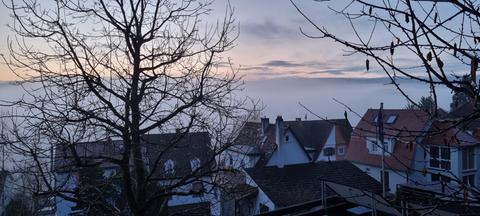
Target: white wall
point(238, 159)
point(421, 161)
point(290, 152)
point(69, 182)
point(330, 143)
point(395, 176)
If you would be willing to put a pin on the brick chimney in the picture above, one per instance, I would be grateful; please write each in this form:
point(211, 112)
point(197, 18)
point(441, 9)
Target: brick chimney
point(279, 136)
point(265, 122)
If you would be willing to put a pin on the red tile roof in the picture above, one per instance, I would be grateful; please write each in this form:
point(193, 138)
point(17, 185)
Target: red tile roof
point(408, 126)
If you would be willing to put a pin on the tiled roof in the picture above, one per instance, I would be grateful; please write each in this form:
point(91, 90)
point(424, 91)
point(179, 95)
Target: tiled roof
point(445, 133)
point(311, 134)
point(87, 152)
point(294, 184)
point(181, 148)
point(251, 135)
point(408, 126)
point(314, 134)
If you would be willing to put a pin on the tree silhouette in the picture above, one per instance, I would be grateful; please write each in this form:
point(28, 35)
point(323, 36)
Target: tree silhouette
point(96, 70)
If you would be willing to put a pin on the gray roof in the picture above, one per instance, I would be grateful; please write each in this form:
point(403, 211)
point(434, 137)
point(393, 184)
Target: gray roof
point(294, 184)
point(314, 134)
point(181, 148)
point(311, 134)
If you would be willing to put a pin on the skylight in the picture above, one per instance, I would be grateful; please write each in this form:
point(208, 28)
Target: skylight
point(391, 119)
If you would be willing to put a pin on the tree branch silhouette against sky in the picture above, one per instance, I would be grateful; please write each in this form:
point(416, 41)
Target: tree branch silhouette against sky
point(270, 44)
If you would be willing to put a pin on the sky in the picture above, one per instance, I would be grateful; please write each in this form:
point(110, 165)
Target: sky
point(282, 67)
point(270, 44)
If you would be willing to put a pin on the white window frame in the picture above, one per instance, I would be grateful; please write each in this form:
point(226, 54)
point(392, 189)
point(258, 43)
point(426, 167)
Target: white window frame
point(169, 167)
point(195, 164)
point(440, 159)
point(331, 150)
point(373, 148)
point(342, 148)
point(472, 151)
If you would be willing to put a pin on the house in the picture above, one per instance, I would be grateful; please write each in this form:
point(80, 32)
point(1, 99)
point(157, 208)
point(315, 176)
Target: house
point(169, 158)
point(418, 149)
point(261, 144)
point(317, 185)
point(453, 154)
point(288, 142)
point(403, 132)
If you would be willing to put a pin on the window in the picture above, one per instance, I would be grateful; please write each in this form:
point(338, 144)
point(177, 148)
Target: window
point(374, 148)
point(468, 159)
point(469, 179)
point(372, 145)
point(287, 138)
point(440, 157)
point(387, 180)
point(169, 167)
point(341, 150)
point(391, 119)
point(195, 164)
point(329, 151)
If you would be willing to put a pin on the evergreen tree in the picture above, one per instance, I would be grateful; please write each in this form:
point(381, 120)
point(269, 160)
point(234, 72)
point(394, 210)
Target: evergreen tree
point(425, 103)
point(460, 98)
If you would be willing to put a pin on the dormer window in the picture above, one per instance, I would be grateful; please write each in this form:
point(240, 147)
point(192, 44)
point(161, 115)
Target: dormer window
point(195, 164)
point(391, 119)
point(169, 167)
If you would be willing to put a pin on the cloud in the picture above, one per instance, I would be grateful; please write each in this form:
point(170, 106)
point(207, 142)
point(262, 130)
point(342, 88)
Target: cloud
point(250, 68)
point(268, 30)
point(281, 63)
point(332, 72)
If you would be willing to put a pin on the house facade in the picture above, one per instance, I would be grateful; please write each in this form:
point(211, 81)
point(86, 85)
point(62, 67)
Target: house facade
point(452, 154)
point(416, 149)
point(288, 142)
point(169, 157)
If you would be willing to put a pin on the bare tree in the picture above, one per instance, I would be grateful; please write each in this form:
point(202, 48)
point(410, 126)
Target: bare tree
point(96, 70)
point(434, 42)
point(439, 40)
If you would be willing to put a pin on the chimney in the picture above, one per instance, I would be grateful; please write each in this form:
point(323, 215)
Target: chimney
point(264, 121)
point(279, 140)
